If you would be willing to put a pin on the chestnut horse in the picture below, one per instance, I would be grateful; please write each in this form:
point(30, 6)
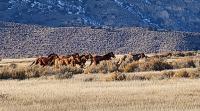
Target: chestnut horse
point(96, 59)
point(68, 60)
point(73, 60)
point(44, 61)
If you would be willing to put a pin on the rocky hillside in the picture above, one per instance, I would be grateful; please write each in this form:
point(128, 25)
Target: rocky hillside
point(18, 40)
point(179, 15)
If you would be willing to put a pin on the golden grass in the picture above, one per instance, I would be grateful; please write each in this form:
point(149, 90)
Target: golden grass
point(148, 65)
point(13, 72)
point(69, 95)
point(103, 67)
point(20, 69)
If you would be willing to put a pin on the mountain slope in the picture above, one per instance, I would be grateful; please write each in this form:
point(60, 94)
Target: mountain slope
point(18, 40)
point(180, 15)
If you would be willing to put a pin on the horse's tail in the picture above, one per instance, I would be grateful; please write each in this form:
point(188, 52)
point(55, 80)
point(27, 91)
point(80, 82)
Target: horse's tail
point(32, 63)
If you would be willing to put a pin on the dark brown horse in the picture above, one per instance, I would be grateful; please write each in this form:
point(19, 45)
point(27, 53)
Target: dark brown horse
point(44, 61)
point(139, 56)
point(96, 59)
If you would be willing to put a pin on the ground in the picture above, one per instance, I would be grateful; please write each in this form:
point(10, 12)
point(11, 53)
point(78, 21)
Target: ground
point(71, 95)
point(80, 93)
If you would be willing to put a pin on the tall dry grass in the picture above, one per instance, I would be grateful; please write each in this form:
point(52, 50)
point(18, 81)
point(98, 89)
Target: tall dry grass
point(69, 95)
point(149, 65)
point(184, 63)
point(10, 72)
point(103, 67)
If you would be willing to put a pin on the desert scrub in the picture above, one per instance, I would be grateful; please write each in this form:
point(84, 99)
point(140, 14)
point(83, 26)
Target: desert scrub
point(187, 74)
point(183, 63)
point(131, 67)
point(168, 74)
point(66, 75)
point(114, 76)
point(73, 70)
point(149, 65)
point(103, 67)
point(7, 72)
point(38, 71)
point(155, 65)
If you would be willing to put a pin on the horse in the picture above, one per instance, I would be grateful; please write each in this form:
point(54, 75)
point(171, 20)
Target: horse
point(72, 60)
point(84, 58)
point(44, 61)
point(137, 57)
point(96, 59)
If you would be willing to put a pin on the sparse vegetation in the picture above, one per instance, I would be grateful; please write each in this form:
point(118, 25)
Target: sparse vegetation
point(113, 69)
point(150, 65)
point(103, 67)
point(107, 86)
point(37, 71)
point(183, 63)
point(51, 95)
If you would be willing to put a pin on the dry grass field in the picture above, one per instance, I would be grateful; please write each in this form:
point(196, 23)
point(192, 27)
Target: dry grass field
point(70, 95)
point(171, 84)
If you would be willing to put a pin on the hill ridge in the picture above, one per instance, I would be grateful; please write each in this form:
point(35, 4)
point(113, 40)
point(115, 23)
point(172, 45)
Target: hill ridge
point(21, 40)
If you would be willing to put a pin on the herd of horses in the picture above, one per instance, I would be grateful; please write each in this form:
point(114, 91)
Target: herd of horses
point(77, 59)
point(73, 59)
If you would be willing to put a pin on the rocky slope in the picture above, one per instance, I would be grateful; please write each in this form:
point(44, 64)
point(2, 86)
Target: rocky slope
point(18, 40)
point(179, 15)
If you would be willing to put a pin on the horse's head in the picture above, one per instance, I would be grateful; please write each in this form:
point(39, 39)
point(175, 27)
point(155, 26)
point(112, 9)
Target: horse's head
point(75, 54)
point(142, 55)
point(53, 55)
point(51, 58)
point(111, 54)
point(89, 56)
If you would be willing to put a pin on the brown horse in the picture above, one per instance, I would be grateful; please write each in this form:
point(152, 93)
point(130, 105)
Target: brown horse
point(84, 58)
point(139, 56)
point(44, 61)
point(96, 59)
point(72, 60)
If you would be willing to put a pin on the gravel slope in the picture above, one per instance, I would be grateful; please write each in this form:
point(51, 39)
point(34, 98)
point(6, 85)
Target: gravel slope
point(18, 40)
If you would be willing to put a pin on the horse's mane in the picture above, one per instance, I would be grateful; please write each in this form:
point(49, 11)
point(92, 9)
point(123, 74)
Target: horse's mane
point(52, 54)
point(108, 54)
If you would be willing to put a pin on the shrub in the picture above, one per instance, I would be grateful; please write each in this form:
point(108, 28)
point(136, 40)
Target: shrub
point(66, 75)
point(8, 72)
point(114, 76)
point(103, 67)
point(132, 67)
point(126, 59)
point(168, 74)
point(190, 53)
point(73, 70)
point(151, 65)
point(183, 63)
point(181, 73)
point(158, 65)
point(38, 71)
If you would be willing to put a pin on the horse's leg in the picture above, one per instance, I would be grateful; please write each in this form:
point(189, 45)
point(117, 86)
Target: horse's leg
point(56, 64)
point(32, 63)
point(95, 62)
point(43, 63)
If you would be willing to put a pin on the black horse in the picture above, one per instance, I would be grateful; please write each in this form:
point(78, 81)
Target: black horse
point(96, 59)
